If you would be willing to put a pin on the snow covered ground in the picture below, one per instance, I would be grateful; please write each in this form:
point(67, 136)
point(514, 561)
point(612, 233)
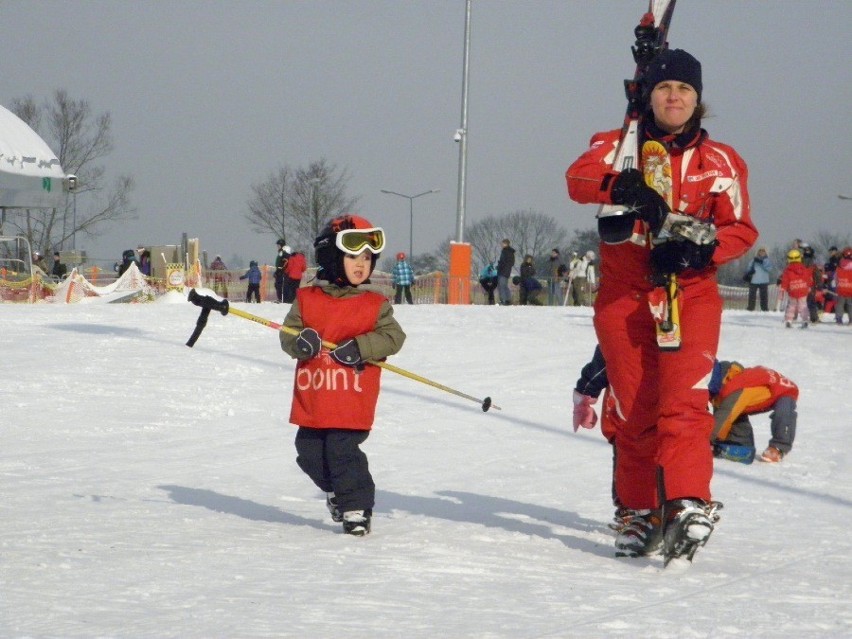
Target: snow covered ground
point(151, 490)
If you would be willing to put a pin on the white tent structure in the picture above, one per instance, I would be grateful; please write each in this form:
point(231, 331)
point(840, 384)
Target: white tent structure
point(30, 178)
point(30, 174)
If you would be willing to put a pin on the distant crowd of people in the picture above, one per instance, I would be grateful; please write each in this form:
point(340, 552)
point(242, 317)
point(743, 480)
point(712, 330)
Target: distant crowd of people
point(572, 284)
point(807, 290)
point(57, 271)
point(290, 266)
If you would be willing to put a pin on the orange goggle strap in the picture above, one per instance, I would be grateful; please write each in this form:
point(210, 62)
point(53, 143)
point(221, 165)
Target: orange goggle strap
point(354, 241)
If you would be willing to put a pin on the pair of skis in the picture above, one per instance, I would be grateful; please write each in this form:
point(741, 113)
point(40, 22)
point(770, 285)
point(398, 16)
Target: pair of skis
point(654, 160)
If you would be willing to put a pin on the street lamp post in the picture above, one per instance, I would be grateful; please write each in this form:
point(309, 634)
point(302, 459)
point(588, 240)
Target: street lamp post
point(74, 232)
point(410, 199)
point(461, 132)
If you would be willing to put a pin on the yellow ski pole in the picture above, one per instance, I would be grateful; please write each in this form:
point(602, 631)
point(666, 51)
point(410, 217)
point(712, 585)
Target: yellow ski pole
point(208, 303)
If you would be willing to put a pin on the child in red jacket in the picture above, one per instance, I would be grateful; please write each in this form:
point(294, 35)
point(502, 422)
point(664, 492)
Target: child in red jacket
point(796, 281)
point(335, 391)
point(737, 392)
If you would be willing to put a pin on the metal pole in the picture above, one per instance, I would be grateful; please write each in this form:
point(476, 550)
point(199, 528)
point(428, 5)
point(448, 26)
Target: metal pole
point(460, 204)
point(74, 231)
point(410, 227)
point(410, 199)
point(208, 304)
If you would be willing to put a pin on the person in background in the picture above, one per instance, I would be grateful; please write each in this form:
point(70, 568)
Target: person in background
point(591, 278)
point(294, 270)
point(220, 277)
point(253, 275)
point(809, 260)
point(144, 261)
point(564, 283)
point(128, 258)
point(59, 270)
point(505, 263)
point(664, 463)
point(488, 281)
point(281, 256)
point(39, 261)
point(556, 270)
point(529, 290)
point(843, 286)
point(831, 263)
point(580, 285)
point(591, 383)
point(796, 282)
point(760, 267)
point(738, 392)
point(334, 419)
point(525, 285)
point(828, 269)
point(403, 278)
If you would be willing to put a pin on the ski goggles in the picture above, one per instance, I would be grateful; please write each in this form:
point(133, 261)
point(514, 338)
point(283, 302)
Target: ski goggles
point(355, 241)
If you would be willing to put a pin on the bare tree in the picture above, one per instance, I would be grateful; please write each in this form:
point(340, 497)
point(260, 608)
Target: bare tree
point(529, 231)
point(294, 204)
point(268, 207)
point(826, 239)
point(81, 140)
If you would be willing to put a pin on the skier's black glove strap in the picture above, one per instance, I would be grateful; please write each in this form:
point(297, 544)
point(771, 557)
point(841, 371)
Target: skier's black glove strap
point(676, 256)
point(308, 344)
point(629, 189)
point(347, 354)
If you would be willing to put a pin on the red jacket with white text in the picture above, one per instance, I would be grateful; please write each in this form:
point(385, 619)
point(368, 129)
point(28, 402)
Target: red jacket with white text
point(797, 279)
point(708, 183)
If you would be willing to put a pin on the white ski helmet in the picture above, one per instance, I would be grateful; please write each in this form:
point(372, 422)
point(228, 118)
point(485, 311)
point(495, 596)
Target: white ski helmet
point(590, 255)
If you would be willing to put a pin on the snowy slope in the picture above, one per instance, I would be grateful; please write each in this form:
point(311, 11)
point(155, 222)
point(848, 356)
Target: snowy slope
point(151, 490)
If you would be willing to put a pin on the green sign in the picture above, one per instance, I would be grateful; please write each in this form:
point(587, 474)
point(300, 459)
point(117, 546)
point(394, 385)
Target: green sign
point(45, 184)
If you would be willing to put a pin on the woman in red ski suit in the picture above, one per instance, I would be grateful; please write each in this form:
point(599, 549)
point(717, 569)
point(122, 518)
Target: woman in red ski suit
point(662, 397)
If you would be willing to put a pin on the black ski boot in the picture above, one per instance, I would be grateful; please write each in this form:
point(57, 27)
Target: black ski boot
point(689, 523)
point(331, 504)
point(357, 522)
point(640, 532)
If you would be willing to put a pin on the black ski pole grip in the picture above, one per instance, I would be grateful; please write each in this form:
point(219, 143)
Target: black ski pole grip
point(210, 303)
point(207, 304)
point(199, 326)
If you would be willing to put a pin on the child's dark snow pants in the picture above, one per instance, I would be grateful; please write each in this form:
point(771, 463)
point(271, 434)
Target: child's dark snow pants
point(331, 457)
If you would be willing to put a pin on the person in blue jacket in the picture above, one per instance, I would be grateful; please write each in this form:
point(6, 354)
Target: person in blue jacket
point(403, 278)
point(488, 281)
point(760, 266)
point(253, 276)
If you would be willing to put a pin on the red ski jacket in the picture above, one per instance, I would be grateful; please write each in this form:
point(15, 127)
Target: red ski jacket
point(327, 394)
point(296, 266)
point(709, 182)
point(755, 390)
point(797, 279)
point(843, 277)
